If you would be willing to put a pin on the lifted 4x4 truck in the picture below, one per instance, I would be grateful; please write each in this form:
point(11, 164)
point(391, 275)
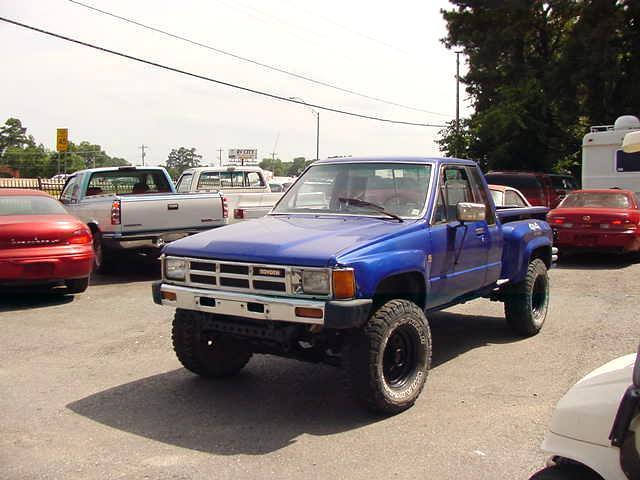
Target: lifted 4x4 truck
point(347, 267)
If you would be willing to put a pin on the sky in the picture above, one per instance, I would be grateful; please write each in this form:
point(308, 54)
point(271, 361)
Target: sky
point(389, 50)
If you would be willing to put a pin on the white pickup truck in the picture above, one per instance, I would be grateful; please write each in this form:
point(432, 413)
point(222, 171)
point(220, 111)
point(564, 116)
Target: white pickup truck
point(245, 188)
point(137, 209)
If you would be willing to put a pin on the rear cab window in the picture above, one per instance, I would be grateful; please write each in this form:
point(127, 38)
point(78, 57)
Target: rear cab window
point(127, 182)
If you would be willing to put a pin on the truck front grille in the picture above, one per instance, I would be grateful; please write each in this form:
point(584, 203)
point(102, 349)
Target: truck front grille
point(243, 277)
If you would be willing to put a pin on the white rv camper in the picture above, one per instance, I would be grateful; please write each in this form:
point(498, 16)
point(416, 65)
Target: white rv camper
point(604, 163)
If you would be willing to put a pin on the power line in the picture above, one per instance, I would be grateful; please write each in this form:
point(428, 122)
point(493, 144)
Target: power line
point(213, 80)
point(255, 62)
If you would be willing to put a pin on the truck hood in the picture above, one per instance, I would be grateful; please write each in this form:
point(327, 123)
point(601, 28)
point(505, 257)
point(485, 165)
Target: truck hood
point(288, 240)
point(587, 410)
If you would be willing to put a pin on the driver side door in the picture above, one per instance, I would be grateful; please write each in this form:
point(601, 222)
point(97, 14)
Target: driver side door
point(458, 251)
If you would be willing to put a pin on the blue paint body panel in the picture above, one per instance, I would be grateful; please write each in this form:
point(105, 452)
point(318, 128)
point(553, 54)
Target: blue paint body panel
point(453, 264)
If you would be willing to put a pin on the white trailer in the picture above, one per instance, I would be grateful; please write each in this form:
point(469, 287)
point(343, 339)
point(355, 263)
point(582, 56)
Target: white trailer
point(604, 163)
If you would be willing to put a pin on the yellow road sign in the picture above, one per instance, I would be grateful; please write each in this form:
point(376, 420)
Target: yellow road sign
point(62, 140)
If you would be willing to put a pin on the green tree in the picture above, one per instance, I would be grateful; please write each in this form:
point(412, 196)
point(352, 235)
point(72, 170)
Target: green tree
point(13, 134)
point(544, 72)
point(181, 159)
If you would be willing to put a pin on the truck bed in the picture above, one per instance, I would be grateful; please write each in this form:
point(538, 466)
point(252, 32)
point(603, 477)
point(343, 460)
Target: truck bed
point(512, 214)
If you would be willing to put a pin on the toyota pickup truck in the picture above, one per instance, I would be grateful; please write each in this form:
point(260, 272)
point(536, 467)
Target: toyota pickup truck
point(247, 192)
point(132, 208)
point(347, 268)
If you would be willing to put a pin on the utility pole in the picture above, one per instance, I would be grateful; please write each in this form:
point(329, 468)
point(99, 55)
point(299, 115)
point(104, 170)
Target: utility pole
point(143, 154)
point(457, 102)
point(317, 135)
point(220, 150)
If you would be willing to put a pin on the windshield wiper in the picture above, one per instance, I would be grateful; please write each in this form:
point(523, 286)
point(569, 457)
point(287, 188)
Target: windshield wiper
point(363, 203)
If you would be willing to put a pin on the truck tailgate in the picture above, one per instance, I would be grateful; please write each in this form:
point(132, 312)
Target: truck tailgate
point(166, 212)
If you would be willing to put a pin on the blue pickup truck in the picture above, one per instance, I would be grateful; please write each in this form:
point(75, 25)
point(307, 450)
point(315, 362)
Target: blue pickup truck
point(346, 268)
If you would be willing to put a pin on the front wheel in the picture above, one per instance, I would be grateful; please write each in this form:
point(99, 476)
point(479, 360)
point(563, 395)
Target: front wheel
point(387, 362)
point(207, 355)
point(77, 285)
point(566, 472)
point(526, 303)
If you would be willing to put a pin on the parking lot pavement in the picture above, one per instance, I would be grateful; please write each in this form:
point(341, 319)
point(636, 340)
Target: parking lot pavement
point(91, 390)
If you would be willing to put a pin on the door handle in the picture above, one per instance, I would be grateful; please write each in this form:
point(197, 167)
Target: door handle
point(480, 231)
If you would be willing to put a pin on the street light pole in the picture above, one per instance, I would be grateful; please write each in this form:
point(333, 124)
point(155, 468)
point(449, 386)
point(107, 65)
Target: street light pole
point(317, 114)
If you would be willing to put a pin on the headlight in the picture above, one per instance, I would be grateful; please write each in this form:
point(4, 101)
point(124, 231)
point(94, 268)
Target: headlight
point(311, 282)
point(175, 268)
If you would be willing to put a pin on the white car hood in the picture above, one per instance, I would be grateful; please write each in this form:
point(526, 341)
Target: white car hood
point(587, 410)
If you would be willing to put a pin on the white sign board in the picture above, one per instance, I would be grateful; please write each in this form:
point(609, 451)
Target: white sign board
point(243, 154)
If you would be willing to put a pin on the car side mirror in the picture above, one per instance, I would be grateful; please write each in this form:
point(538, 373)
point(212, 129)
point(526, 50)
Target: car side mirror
point(636, 370)
point(470, 212)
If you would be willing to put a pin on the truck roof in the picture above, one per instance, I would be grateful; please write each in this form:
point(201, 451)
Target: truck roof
point(226, 168)
point(126, 168)
point(395, 159)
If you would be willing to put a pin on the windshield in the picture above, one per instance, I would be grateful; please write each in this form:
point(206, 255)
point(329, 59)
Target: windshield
point(347, 188)
point(596, 199)
point(30, 205)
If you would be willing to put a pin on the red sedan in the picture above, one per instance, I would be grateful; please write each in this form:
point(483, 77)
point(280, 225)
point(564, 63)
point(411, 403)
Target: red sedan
point(603, 220)
point(40, 243)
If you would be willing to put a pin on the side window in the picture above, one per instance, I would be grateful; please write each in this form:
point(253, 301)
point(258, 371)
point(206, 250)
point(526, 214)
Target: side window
point(209, 181)
point(184, 184)
point(454, 187)
point(71, 190)
point(254, 180)
point(512, 198)
point(481, 195)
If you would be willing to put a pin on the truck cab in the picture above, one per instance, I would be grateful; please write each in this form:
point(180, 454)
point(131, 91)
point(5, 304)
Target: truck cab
point(245, 189)
point(346, 268)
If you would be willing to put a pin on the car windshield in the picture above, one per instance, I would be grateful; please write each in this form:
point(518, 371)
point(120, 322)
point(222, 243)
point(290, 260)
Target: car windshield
point(359, 189)
point(30, 205)
point(596, 199)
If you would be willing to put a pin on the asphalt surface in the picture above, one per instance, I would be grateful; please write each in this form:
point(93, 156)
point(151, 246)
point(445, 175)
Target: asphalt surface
point(90, 389)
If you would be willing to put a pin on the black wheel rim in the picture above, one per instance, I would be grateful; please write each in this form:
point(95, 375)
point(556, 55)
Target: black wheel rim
point(539, 296)
point(400, 356)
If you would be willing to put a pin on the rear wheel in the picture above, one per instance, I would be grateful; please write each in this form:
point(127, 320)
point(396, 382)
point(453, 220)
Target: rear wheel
point(387, 362)
point(77, 285)
point(207, 355)
point(101, 261)
point(526, 303)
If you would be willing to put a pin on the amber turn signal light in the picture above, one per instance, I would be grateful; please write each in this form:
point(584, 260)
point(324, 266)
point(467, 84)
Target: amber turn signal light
point(308, 312)
point(344, 284)
point(168, 296)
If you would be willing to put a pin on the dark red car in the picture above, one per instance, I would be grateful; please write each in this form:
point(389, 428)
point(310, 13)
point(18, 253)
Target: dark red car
point(40, 243)
point(603, 220)
point(540, 189)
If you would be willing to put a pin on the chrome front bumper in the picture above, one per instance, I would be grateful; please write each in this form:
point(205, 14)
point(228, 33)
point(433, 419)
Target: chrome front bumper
point(245, 305)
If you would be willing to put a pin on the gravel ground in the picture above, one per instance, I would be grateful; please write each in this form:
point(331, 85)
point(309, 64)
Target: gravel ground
point(92, 390)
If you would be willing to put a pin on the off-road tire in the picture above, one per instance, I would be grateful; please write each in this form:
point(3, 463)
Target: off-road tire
point(210, 355)
point(367, 367)
point(76, 285)
point(566, 471)
point(526, 303)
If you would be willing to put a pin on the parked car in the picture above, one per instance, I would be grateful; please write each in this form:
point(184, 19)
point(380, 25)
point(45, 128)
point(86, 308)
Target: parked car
point(536, 187)
point(345, 268)
point(603, 220)
point(247, 192)
point(594, 429)
point(504, 196)
point(563, 184)
point(41, 244)
point(137, 209)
